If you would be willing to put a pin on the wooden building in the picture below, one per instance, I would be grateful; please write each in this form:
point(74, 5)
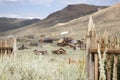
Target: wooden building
point(8, 46)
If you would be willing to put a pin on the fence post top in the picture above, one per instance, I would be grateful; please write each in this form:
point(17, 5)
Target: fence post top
point(91, 31)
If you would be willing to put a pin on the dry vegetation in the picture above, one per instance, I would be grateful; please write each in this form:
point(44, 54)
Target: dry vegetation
point(28, 66)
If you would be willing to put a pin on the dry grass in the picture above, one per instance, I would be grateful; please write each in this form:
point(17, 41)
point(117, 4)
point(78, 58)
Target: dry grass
point(27, 66)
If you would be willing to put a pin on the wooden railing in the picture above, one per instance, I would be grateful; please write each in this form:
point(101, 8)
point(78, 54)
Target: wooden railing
point(110, 53)
point(110, 45)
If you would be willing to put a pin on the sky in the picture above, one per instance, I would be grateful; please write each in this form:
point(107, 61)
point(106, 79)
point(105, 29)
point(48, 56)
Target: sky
point(41, 8)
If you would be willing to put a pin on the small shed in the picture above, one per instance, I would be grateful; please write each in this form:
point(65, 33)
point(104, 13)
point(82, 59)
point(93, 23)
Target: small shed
point(59, 51)
point(61, 42)
point(64, 42)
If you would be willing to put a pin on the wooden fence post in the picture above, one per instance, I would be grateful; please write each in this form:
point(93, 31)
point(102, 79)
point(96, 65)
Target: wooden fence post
point(115, 67)
point(90, 43)
point(14, 47)
point(108, 67)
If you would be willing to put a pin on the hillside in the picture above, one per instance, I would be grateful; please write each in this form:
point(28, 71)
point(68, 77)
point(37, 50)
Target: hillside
point(68, 13)
point(73, 11)
point(14, 23)
point(107, 18)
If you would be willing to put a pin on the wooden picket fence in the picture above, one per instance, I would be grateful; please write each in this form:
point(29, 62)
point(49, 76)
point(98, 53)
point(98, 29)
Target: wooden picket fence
point(99, 51)
point(7, 46)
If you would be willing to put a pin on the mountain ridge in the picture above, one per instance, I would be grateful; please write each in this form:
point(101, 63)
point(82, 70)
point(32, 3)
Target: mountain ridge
point(14, 23)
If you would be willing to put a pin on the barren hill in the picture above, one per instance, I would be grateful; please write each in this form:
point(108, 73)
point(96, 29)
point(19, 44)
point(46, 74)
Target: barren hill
point(73, 11)
point(108, 18)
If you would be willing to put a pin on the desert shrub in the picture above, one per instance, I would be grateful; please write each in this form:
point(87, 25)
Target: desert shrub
point(32, 67)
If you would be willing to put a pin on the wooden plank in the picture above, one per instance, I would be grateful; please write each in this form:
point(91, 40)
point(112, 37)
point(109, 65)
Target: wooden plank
point(5, 51)
point(108, 67)
point(87, 56)
point(91, 67)
point(109, 51)
point(90, 43)
point(115, 67)
point(2, 52)
point(6, 47)
point(3, 43)
point(8, 42)
point(9, 52)
point(14, 47)
point(96, 66)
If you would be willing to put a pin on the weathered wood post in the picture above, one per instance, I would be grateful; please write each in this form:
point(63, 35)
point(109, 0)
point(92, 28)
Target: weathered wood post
point(115, 77)
point(90, 43)
point(14, 47)
point(6, 47)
